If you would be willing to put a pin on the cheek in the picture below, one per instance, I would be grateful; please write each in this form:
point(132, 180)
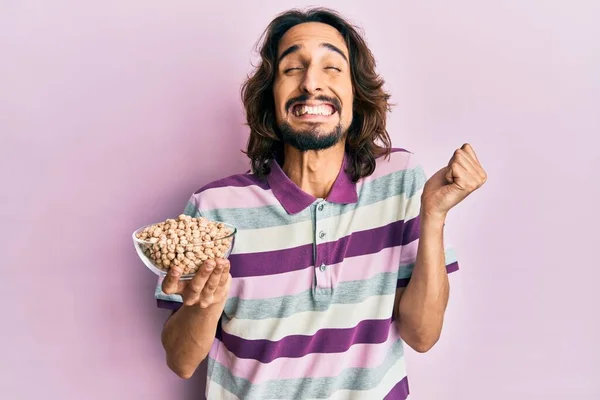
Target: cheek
point(347, 113)
point(347, 117)
point(343, 89)
point(279, 99)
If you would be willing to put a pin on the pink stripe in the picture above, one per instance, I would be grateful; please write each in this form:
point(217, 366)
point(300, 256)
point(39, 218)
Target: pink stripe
point(409, 252)
point(294, 282)
point(398, 161)
point(256, 196)
point(315, 365)
point(236, 197)
point(367, 266)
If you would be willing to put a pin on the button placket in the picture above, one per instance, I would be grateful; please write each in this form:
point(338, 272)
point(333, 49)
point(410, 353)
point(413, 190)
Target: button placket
point(322, 236)
point(321, 272)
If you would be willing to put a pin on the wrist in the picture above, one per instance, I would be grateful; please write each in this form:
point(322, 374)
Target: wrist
point(205, 312)
point(433, 219)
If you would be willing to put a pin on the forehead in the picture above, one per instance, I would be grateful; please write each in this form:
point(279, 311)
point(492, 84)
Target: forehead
point(310, 35)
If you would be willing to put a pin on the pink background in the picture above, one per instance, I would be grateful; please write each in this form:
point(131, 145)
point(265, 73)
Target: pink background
point(113, 112)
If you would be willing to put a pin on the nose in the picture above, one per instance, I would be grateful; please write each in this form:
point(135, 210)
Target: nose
point(312, 81)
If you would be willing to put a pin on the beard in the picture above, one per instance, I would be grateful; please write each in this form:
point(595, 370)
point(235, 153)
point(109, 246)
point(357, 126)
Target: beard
point(312, 138)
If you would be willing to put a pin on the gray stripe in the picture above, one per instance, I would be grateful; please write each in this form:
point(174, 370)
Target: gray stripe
point(284, 306)
point(344, 293)
point(406, 182)
point(302, 388)
point(191, 210)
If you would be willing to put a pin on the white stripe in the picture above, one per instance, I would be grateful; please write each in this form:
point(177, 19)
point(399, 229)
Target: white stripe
point(216, 391)
point(309, 322)
point(394, 375)
point(366, 217)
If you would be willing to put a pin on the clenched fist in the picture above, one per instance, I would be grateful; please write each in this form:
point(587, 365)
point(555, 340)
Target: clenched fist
point(209, 286)
point(453, 183)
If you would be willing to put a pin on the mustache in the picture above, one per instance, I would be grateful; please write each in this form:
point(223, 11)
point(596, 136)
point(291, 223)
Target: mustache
point(304, 98)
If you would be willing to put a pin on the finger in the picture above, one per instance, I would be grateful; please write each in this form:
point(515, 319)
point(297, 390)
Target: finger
point(463, 178)
point(469, 153)
point(469, 149)
point(212, 283)
point(465, 160)
point(224, 274)
point(171, 284)
point(193, 290)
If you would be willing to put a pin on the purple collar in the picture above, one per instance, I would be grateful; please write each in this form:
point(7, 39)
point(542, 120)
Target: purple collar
point(294, 199)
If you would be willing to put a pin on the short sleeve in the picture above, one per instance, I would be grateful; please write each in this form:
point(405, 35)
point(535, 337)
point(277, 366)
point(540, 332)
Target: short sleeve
point(174, 301)
point(413, 182)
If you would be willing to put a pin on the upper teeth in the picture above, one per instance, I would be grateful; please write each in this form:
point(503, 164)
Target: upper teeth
point(313, 110)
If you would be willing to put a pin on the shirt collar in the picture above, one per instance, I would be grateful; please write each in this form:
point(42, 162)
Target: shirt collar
point(293, 199)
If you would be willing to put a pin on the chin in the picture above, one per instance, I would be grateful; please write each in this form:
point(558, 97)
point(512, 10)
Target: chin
point(315, 137)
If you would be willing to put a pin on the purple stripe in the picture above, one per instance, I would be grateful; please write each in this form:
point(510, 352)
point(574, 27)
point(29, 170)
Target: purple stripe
point(452, 267)
point(239, 180)
point(373, 240)
point(296, 346)
point(169, 305)
point(271, 262)
point(358, 243)
point(399, 392)
point(412, 230)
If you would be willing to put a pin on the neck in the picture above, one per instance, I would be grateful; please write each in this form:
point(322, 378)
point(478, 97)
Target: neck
point(314, 171)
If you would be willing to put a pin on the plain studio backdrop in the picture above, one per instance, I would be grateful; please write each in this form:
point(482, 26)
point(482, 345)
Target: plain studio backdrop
point(113, 112)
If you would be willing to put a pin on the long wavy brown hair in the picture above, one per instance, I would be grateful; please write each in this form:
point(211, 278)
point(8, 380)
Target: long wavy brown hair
point(367, 137)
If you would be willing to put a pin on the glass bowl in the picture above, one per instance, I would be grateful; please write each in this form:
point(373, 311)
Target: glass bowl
point(160, 251)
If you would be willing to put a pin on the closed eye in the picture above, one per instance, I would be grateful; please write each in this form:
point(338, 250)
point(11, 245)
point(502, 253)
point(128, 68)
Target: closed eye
point(288, 70)
point(334, 68)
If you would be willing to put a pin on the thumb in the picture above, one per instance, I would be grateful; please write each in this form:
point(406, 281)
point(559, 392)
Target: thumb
point(449, 175)
point(171, 284)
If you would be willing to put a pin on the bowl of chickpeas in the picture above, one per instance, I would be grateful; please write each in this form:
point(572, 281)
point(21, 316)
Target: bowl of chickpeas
point(185, 242)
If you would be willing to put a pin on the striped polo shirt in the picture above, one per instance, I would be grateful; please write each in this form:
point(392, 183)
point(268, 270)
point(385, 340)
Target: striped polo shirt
point(310, 309)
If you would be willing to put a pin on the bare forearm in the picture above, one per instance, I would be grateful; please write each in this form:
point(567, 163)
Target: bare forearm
point(423, 302)
point(188, 335)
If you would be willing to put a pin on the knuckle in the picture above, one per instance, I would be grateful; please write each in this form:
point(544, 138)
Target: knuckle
point(223, 262)
point(204, 303)
point(195, 287)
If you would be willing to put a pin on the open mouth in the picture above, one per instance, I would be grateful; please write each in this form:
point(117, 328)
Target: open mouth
point(301, 109)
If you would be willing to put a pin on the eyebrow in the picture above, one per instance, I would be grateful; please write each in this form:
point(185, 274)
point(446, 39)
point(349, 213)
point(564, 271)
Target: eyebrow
point(297, 47)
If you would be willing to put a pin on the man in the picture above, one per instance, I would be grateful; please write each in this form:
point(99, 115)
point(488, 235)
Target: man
point(339, 258)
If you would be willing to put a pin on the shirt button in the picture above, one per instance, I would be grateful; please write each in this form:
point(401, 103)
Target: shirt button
point(321, 234)
point(321, 206)
point(322, 267)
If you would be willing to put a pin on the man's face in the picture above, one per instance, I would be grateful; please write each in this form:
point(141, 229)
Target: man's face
point(313, 87)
